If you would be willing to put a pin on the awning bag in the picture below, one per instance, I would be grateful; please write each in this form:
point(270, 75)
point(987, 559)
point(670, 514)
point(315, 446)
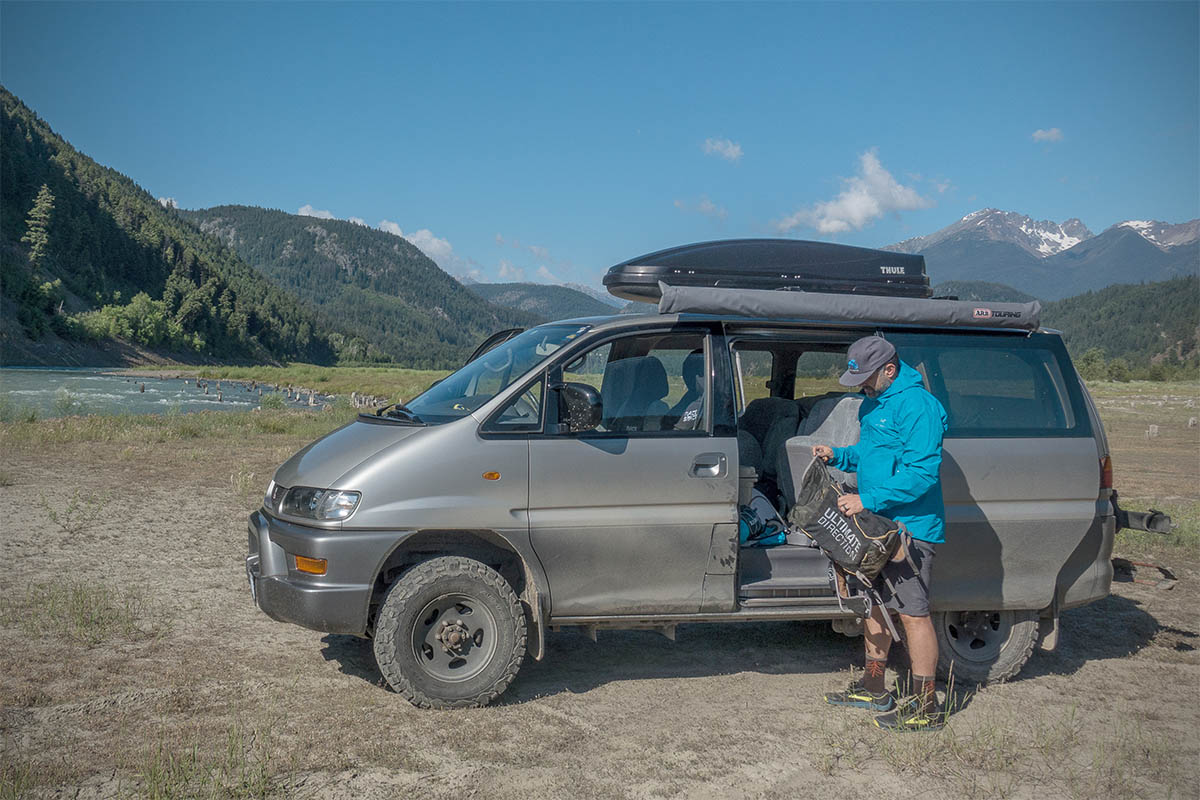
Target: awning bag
point(766, 304)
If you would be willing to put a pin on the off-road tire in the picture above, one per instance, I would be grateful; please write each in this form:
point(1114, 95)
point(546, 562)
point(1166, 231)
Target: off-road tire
point(1005, 643)
point(409, 596)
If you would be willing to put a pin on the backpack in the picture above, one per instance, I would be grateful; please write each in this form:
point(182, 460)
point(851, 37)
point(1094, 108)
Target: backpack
point(759, 524)
point(858, 546)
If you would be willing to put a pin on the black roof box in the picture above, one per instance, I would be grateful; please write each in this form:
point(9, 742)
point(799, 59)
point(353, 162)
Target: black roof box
point(786, 264)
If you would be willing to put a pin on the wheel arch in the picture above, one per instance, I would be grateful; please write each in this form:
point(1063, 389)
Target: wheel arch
point(489, 547)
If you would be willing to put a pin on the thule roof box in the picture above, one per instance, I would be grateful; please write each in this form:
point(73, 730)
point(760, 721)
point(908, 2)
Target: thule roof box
point(785, 264)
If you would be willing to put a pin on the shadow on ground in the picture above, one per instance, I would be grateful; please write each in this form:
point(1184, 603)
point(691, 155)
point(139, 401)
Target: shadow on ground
point(1115, 627)
point(574, 663)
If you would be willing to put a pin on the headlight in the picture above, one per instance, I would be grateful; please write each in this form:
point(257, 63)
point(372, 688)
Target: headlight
point(304, 501)
point(268, 498)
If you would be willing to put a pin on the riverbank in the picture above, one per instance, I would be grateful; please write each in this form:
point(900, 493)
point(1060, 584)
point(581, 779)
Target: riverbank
point(384, 383)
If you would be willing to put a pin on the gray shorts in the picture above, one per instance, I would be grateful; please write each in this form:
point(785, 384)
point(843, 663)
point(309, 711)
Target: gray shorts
point(911, 596)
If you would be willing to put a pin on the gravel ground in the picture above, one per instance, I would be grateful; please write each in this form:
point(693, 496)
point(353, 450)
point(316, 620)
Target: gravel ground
point(132, 663)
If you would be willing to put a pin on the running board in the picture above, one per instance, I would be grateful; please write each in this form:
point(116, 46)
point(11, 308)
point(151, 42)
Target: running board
point(806, 609)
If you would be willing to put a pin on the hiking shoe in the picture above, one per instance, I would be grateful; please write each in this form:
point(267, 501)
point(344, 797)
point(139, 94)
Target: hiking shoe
point(913, 715)
point(856, 696)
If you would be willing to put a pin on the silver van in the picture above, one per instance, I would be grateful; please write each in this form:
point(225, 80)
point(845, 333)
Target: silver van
point(554, 481)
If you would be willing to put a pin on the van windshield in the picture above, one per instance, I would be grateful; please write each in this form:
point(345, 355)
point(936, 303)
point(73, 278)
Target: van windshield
point(479, 381)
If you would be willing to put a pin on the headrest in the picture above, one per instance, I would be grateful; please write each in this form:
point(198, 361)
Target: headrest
point(765, 411)
point(652, 377)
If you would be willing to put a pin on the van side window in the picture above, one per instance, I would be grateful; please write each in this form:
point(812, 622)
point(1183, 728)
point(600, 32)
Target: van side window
point(653, 383)
point(522, 414)
point(996, 386)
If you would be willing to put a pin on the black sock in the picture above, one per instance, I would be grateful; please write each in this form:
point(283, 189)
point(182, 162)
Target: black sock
point(873, 676)
point(924, 688)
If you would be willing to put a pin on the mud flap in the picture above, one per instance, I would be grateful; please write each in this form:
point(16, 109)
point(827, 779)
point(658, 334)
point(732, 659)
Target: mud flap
point(534, 603)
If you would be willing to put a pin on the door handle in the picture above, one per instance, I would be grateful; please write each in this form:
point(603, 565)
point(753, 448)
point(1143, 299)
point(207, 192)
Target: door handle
point(709, 465)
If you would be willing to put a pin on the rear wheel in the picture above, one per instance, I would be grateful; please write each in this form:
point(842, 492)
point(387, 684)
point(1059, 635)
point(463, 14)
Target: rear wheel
point(984, 646)
point(450, 634)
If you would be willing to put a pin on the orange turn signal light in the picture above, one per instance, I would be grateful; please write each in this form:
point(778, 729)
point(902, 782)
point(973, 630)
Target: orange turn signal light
point(491, 476)
point(313, 566)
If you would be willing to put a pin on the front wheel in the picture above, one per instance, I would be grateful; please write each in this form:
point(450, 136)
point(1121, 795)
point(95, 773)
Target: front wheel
point(984, 646)
point(450, 634)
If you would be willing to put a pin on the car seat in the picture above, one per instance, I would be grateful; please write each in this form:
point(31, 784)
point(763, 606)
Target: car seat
point(632, 391)
point(833, 420)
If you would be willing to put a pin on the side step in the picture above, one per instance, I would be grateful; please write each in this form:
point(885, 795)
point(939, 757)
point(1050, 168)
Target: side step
point(801, 608)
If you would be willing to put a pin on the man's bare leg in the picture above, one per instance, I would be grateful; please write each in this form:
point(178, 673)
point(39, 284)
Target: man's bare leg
point(921, 642)
point(877, 640)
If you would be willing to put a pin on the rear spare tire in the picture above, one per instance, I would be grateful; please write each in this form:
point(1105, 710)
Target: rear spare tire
point(984, 646)
point(450, 634)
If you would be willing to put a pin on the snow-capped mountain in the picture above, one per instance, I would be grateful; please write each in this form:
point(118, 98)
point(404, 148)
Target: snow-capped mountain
point(1053, 260)
point(1164, 234)
point(1038, 238)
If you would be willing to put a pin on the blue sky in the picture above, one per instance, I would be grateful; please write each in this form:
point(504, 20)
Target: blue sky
point(548, 142)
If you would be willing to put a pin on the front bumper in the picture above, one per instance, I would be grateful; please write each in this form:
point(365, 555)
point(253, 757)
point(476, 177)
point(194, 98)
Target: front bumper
point(337, 602)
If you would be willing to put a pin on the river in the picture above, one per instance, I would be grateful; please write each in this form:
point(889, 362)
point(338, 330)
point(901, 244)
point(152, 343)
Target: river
point(56, 392)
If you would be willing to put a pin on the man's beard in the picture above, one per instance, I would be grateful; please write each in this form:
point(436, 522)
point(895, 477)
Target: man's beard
point(884, 383)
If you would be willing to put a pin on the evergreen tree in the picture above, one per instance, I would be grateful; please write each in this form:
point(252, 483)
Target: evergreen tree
point(38, 223)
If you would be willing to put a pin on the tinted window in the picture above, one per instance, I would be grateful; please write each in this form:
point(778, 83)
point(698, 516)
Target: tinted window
point(998, 386)
point(650, 383)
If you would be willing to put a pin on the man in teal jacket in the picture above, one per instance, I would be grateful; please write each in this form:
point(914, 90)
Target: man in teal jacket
point(897, 458)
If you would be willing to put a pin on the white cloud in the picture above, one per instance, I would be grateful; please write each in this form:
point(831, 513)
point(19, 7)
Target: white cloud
point(537, 251)
point(547, 275)
point(168, 202)
point(307, 210)
point(510, 272)
point(710, 209)
point(1051, 135)
point(359, 221)
point(942, 186)
point(703, 206)
point(864, 198)
point(725, 148)
point(438, 249)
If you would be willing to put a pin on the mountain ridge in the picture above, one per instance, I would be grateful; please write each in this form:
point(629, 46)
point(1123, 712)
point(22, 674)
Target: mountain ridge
point(115, 264)
point(378, 285)
point(548, 301)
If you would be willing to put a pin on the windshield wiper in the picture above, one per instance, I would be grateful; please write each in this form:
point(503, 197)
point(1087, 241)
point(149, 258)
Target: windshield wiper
point(399, 411)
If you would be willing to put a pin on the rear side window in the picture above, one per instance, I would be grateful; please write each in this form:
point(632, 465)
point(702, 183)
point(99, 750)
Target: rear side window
point(999, 386)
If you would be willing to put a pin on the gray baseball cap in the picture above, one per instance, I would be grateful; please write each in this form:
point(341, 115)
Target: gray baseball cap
point(864, 357)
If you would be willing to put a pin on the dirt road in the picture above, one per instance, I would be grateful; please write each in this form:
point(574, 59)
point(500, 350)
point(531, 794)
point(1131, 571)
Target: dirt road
point(152, 674)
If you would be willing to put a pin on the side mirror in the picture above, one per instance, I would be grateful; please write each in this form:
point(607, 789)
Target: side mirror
point(579, 408)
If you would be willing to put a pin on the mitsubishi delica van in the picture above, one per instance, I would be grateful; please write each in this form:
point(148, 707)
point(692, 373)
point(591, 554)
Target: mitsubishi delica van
point(558, 478)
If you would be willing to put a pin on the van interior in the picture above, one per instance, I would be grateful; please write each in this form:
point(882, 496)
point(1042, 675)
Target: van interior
point(803, 405)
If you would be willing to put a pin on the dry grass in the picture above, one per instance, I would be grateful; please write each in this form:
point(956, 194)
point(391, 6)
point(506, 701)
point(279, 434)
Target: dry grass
point(82, 612)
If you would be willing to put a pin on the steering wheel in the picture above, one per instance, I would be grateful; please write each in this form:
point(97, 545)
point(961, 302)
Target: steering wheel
point(505, 364)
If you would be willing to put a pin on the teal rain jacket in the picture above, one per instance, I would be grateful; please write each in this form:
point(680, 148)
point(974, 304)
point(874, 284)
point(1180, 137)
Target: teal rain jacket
point(898, 455)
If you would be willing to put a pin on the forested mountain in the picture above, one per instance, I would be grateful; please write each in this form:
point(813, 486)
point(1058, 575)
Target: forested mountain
point(982, 290)
point(374, 284)
point(1141, 323)
point(544, 300)
point(79, 237)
